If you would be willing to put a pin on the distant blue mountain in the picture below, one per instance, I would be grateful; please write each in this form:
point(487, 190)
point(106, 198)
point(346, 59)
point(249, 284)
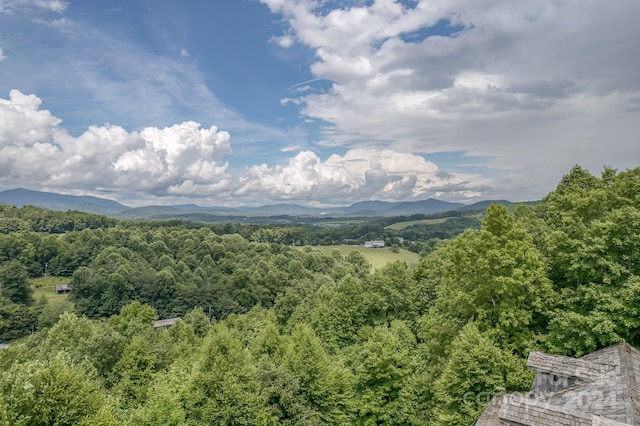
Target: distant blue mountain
point(483, 205)
point(397, 208)
point(367, 206)
point(21, 197)
point(361, 209)
point(279, 209)
point(47, 200)
point(430, 206)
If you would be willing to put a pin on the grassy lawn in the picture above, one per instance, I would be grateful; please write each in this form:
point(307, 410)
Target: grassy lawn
point(399, 226)
point(377, 257)
point(46, 286)
point(338, 223)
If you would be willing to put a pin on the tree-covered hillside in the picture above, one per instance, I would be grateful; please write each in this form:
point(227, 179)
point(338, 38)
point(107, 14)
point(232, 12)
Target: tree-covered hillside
point(271, 334)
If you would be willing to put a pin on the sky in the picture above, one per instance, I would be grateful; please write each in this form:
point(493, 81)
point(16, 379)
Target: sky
point(315, 102)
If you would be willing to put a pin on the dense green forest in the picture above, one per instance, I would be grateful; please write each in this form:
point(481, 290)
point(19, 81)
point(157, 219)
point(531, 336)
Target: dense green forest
point(274, 334)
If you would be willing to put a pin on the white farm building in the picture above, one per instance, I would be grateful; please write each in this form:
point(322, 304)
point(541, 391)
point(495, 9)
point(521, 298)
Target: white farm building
point(374, 244)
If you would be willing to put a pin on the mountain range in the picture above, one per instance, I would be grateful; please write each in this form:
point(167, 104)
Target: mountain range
point(20, 197)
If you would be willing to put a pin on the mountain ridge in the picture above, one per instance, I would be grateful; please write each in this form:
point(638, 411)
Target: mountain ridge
point(373, 208)
point(20, 197)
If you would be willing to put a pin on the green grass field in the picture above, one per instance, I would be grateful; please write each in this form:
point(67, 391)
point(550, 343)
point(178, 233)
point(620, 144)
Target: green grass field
point(377, 257)
point(46, 286)
point(399, 226)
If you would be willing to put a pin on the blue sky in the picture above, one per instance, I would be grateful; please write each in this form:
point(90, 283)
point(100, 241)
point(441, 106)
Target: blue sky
point(314, 102)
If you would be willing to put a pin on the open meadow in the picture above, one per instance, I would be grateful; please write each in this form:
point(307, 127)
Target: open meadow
point(399, 226)
point(46, 287)
point(378, 257)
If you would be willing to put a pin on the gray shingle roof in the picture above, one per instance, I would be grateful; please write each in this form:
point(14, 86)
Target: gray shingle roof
point(62, 287)
point(166, 322)
point(566, 366)
point(603, 390)
point(535, 412)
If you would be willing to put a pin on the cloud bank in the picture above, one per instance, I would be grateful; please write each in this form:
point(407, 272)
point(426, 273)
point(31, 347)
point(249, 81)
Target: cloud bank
point(98, 73)
point(10, 6)
point(404, 99)
point(178, 160)
point(186, 161)
point(360, 174)
point(529, 86)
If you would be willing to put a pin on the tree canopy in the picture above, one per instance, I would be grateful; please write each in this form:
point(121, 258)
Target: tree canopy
point(271, 333)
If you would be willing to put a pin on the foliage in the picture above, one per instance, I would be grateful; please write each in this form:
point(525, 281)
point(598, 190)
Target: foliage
point(593, 249)
point(382, 366)
point(14, 282)
point(16, 320)
point(495, 277)
point(55, 391)
point(223, 388)
point(275, 334)
point(475, 371)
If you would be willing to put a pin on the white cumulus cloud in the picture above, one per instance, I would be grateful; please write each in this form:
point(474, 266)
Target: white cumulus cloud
point(185, 161)
point(359, 174)
point(9, 6)
point(179, 160)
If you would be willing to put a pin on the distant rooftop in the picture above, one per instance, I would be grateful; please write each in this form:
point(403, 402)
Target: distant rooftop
point(166, 323)
point(63, 288)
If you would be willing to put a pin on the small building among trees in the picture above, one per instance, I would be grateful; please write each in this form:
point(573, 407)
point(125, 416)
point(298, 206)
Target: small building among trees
point(63, 289)
point(374, 244)
point(165, 323)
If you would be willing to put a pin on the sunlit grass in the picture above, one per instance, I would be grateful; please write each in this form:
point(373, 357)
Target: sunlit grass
point(399, 226)
point(377, 257)
point(46, 286)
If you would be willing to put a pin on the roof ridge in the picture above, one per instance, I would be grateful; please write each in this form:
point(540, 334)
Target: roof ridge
point(567, 366)
point(535, 412)
point(589, 357)
point(628, 375)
